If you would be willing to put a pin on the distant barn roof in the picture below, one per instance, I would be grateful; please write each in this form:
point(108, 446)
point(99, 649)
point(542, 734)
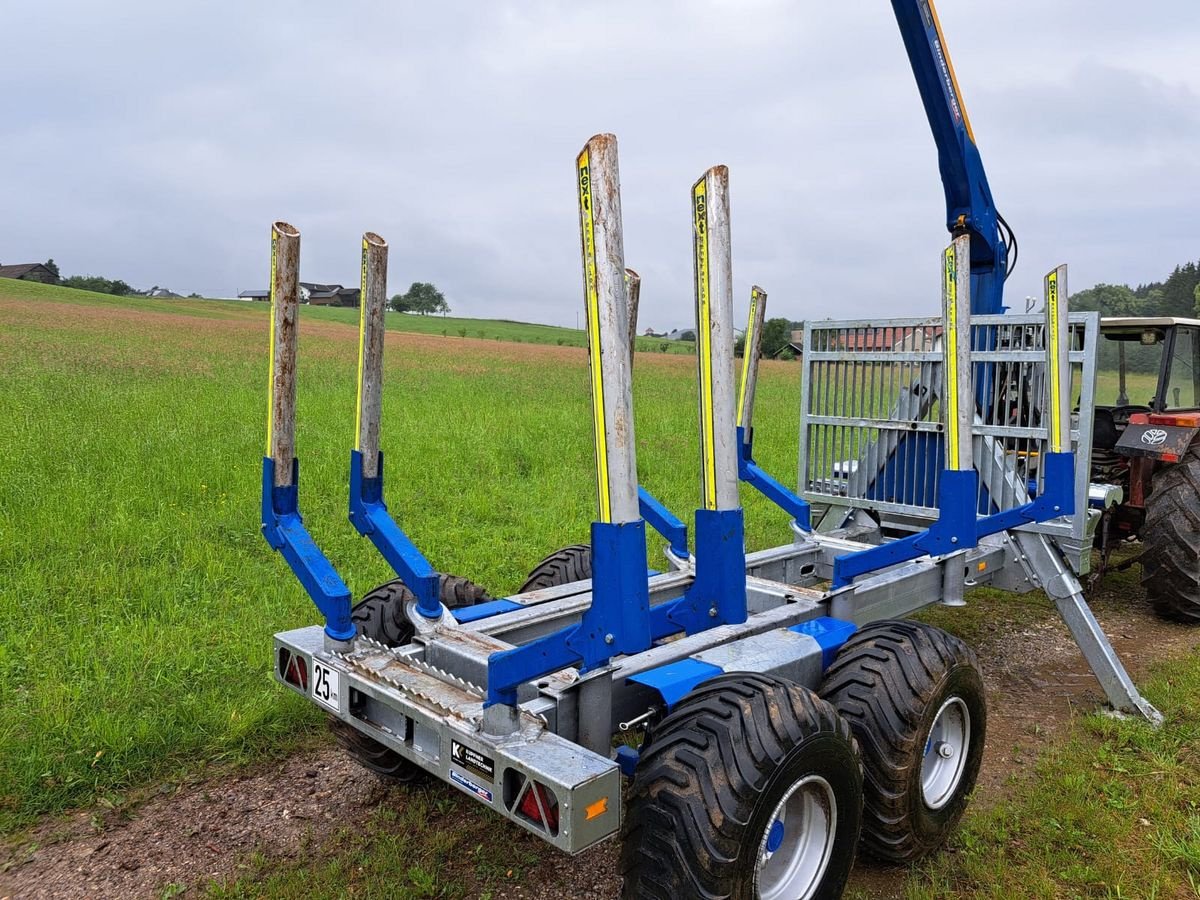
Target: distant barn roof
point(19, 271)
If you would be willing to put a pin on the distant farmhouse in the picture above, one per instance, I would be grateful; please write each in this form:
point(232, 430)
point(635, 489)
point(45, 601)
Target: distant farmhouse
point(314, 295)
point(29, 272)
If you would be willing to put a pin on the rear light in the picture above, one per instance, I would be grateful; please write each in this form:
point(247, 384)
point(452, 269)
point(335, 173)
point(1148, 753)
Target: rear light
point(293, 669)
point(1180, 420)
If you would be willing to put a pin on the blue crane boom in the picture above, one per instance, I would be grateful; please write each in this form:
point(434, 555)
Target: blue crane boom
point(969, 205)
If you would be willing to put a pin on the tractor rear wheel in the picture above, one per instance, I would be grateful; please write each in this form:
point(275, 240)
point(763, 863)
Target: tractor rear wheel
point(914, 698)
point(573, 563)
point(1171, 538)
point(751, 788)
point(380, 615)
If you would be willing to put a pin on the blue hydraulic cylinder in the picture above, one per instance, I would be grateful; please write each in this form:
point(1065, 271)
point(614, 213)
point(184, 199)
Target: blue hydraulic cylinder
point(369, 515)
point(284, 530)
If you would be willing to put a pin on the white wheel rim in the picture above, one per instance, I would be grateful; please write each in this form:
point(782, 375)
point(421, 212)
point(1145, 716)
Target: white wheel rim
point(796, 846)
point(946, 750)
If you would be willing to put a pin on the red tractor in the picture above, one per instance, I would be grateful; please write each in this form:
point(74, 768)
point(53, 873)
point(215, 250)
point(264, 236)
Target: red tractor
point(1147, 418)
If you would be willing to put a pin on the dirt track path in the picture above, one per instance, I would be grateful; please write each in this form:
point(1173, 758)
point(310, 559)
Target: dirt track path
point(205, 831)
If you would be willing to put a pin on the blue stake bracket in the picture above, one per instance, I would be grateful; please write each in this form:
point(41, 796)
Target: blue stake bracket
point(718, 594)
point(1057, 498)
point(665, 522)
point(369, 515)
point(748, 471)
point(954, 530)
point(618, 620)
point(283, 527)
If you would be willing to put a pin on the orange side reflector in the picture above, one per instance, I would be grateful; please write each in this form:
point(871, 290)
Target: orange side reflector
point(982, 566)
point(599, 808)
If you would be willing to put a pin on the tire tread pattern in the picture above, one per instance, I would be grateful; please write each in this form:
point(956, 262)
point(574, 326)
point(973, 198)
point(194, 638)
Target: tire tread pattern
point(882, 682)
point(1171, 538)
point(565, 566)
point(697, 782)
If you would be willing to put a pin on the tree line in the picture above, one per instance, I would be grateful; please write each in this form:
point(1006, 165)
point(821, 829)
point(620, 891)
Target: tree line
point(1177, 296)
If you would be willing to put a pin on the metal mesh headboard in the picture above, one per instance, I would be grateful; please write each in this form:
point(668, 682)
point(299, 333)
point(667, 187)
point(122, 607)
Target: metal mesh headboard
point(872, 433)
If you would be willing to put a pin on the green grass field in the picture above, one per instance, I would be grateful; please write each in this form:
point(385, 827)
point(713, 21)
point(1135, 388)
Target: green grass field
point(138, 598)
point(491, 330)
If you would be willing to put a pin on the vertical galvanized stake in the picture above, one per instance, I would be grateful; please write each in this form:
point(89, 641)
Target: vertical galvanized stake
point(751, 354)
point(713, 270)
point(1058, 366)
point(372, 308)
point(633, 285)
point(959, 399)
point(281, 396)
point(607, 303)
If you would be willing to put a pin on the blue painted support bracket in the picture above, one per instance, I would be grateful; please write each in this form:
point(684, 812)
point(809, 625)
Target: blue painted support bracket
point(954, 530)
point(369, 515)
point(829, 633)
point(748, 471)
point(618, 621)
point(1057, 498)
point(664, 521)
point(718, 595)
point(283, 527)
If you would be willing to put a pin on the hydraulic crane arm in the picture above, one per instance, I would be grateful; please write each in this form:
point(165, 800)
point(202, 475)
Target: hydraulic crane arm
point(969, 205)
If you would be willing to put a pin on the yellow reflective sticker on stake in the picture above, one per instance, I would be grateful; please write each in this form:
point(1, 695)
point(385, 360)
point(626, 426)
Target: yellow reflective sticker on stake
point(362, 337)
point(950, 292)
point(587, 227)
point(1055, 373)
point(704, 340)
point(271, 348)
point(747, 346)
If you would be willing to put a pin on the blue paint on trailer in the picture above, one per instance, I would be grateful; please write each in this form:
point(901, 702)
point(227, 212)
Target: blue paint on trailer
point(954, 530)
point(485, 610)
point(676, 680)
point(283, 527)
point(663, 521)
point(750, 472)
point(829, 632)
point(369, 515)
point(618, 620)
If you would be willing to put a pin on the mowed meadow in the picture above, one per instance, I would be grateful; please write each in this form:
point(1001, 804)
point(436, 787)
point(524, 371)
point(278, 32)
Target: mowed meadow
point(137, 596)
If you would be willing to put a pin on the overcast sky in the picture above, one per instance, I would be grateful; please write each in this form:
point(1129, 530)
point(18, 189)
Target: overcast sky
point(156, 142)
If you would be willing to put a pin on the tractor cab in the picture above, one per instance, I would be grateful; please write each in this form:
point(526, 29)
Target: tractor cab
point(1147, 414)
point(1148, 367)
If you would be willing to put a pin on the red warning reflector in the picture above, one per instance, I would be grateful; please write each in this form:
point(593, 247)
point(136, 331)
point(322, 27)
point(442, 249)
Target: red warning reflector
point(294, 669)
point(529, 807)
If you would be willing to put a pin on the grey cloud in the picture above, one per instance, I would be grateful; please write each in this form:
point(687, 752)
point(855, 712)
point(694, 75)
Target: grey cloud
point(156, 142)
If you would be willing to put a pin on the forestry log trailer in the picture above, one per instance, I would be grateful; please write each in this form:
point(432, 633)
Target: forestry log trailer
point(769, 707)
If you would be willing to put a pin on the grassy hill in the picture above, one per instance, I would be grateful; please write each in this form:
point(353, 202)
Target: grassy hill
point(445, 326)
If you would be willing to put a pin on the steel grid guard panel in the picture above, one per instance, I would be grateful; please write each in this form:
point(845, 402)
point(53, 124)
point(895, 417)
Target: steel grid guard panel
point(872, 433)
